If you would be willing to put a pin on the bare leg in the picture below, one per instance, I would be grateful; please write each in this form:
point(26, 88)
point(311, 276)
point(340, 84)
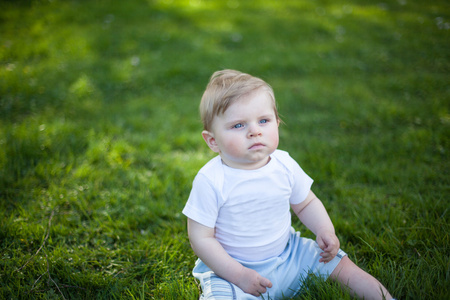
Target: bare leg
point(358, 282)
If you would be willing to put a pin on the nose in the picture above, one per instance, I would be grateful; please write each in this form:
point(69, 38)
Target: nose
point(254, 131)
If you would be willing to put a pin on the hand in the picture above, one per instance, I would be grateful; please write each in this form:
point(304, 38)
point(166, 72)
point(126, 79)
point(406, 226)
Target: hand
point(329, 243)
point(252, 283)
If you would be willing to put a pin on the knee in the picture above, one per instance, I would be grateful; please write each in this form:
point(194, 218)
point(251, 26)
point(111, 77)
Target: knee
point(347, 271)
point(343, 269)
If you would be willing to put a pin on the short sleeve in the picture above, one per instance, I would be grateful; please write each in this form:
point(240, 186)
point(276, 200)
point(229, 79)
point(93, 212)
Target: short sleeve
point(301, 184)
point(300, 181)
point(202, 205)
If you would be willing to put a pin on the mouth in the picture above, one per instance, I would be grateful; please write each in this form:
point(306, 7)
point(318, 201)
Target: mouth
point(256, 146)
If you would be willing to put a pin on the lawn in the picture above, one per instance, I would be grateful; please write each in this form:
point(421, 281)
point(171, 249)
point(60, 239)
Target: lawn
point(100, 135)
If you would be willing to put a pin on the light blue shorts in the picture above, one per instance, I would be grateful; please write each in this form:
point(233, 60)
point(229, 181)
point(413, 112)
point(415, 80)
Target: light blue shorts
point(286, 272)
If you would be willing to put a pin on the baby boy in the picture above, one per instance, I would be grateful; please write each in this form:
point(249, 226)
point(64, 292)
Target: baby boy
point(239, 219)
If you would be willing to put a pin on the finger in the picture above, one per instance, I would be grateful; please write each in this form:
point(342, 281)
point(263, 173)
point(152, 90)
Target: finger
point(325, 260)
point(331, 248)
point(262, 290)
point(325, 254)
point(321, 243)
point(256, 294)
point(265, 283)
point(325, 257)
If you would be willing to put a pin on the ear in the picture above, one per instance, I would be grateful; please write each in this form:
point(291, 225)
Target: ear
point(210, 140)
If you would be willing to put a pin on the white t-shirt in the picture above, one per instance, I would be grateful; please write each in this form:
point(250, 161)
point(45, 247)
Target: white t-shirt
point(249, 209)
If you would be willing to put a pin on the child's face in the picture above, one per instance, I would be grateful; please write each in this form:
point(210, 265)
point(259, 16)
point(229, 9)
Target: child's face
point(247, 133)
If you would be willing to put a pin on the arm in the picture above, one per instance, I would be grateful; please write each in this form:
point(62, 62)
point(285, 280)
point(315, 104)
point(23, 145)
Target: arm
point(211, 252)
point(313, 215)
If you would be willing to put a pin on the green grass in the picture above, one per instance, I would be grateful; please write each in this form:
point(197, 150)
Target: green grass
point(100, 136)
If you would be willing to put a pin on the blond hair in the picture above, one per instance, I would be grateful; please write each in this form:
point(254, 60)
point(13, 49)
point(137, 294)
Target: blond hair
point(224, 88)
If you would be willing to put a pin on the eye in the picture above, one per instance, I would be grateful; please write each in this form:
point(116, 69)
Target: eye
point(263, 121)
point(239, 125)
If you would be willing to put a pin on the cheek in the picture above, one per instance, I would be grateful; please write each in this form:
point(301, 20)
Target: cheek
point(276, 141)
point(274, 135)
point(232, 145)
